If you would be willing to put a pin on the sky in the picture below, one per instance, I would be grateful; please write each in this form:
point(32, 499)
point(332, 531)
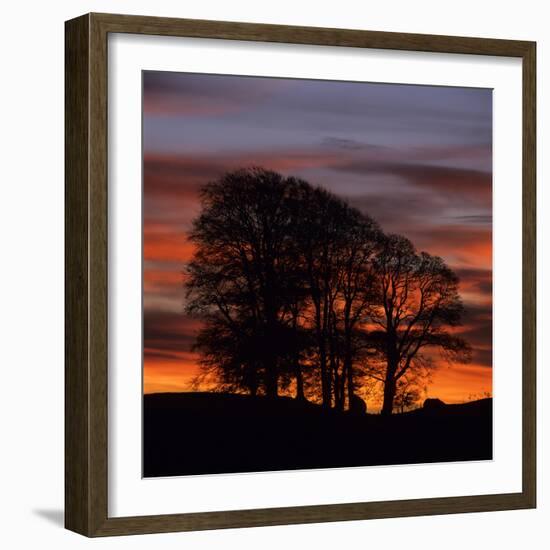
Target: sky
point(416, 158)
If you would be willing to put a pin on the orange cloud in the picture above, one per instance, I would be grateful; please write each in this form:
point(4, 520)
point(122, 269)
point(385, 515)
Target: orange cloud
point(462, 246)
point(458, 383)
point(169, 364)
point(155, 280)
point(165, 243)
point(170, 374)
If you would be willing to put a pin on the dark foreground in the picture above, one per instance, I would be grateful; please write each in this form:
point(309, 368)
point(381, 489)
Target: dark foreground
point(200, 433)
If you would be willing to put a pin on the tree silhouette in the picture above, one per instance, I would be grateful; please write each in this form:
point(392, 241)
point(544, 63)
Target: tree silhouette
point(240, 279)
point(319, 238)
point(409, 389)
point(297, 288)
point(357, 287)
point(419, 301)
point(336, 244)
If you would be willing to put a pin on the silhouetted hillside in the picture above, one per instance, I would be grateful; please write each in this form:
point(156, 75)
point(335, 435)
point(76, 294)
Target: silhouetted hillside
point(198, 433)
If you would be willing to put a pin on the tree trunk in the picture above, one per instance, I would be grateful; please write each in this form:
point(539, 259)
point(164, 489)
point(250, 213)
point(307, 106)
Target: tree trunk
point(271, 384)
point(326, 373)
point(325, 376)
point(270, 350)
point(321, 345)
point(389, 395)
point(348, 369)
point(253, 382)
point(343, 389)
point(336, 380)
point(299, 383)
point(391, 369)
point(271, 376)
point(300, 395)
point(338, 394)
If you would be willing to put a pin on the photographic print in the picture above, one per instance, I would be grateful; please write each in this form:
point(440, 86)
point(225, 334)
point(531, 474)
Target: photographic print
point(317, 274)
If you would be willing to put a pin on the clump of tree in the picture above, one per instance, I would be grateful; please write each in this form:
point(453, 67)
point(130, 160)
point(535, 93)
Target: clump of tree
point(411, 389)
point(418, 306)
point(297, 289)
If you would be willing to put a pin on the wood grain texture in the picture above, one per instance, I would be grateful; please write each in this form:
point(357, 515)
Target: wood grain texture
point(165, 26)
point(529, 270)
point(77, 153)
point(86, 219)
point(98, 269)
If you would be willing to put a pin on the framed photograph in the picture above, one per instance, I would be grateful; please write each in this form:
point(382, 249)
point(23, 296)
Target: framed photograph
point(300, 275)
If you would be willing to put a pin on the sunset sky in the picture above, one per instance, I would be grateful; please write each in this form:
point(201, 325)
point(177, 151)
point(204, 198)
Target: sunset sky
point(416, 158)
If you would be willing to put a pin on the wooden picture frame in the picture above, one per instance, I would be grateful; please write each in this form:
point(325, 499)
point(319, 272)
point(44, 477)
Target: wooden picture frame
point(86, 414)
